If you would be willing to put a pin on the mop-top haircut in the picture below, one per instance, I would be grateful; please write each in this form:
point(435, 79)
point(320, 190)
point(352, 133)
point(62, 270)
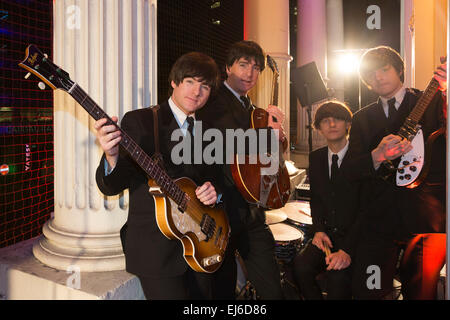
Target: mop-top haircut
point(195, 65)
point(248, 50)
point(379, 57)
point(335, 109)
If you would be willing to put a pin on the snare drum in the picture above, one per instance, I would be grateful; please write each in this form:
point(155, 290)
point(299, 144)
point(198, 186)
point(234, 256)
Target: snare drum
point(288, 241)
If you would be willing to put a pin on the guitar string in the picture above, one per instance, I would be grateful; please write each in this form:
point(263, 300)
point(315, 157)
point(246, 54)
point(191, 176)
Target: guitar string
point(79, 94)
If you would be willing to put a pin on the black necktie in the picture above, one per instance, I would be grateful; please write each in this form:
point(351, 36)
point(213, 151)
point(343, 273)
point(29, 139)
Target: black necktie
point(190, 121)
point(190, 129)
point(334, 167)
point(392, 110)
point(247, 103)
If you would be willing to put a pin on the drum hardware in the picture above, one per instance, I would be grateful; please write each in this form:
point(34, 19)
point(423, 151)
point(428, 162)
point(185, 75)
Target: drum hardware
point(244, 288)
point(288, 243)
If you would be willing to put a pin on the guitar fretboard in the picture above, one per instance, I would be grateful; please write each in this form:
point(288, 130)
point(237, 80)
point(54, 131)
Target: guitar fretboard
point(421, 105)
point(154, 171)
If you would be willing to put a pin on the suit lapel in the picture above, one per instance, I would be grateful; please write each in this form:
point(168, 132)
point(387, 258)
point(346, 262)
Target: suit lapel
point(240, 115)
point(168, 125)
point(324, 170)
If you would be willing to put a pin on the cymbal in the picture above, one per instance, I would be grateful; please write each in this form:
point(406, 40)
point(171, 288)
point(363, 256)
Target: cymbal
point(275, 216)
point(298, 211)
point(283, 232)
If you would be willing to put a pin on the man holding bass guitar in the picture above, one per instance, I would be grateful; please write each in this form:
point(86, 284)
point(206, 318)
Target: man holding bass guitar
point(231, 109)
point(409, 218)
point(157, 261)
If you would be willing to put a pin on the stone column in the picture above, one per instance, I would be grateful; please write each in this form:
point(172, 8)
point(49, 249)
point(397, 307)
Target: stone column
point(311, 46)
point(335, 41)
point(109, 48)
point(267, 23)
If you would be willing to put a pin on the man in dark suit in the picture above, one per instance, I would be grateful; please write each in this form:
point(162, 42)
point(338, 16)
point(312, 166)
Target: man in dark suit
point(157, 261)
point(396, 217)
point(230, 109)
point(334, 210)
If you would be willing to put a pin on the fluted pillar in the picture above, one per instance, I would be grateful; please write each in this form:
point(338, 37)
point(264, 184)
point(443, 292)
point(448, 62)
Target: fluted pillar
point(267, 23)
point(109, 48)
point(335, 42)
point(311, 46)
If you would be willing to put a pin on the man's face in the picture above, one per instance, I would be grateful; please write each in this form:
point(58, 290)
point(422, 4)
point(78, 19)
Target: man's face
point(242, 75)
point(190, 94)
point(384, 81)
point(333, 130)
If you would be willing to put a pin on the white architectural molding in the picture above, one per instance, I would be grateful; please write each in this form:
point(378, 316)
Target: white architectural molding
point(109, 48)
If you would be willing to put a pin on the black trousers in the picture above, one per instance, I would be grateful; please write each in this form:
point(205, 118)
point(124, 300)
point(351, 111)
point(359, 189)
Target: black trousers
point(256, 246)
point(189, 286)
point(308, 265)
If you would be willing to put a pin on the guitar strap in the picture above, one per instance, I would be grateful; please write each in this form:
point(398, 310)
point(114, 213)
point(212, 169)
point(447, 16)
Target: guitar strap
point(157, 156)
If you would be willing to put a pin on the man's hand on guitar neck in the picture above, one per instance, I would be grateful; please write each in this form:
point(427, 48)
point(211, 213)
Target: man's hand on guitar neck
point(109, 137)
point(277, 123)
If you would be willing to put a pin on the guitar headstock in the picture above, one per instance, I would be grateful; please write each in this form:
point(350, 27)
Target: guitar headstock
point(272, 64)
point(41, 66)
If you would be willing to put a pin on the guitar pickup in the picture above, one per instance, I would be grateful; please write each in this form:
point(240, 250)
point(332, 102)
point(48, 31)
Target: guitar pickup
point(208, 226)
point(219, 232)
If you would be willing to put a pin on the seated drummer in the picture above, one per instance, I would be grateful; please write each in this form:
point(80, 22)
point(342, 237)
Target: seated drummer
point(334, 208)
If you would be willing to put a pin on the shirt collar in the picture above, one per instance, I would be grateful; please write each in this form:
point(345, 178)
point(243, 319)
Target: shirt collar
point(398, 99)
point(341, 154)
point(237, 95)
point(179, 115)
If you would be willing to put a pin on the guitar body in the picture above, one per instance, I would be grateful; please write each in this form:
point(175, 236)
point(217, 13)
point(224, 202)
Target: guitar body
point(269, 191)
point(411, 163)
point(202, 253)
point(250, 182)
point(414, 165)
point(427, 160)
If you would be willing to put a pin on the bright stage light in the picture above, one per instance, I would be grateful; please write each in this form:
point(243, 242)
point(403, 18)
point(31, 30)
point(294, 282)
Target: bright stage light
point(348, 63)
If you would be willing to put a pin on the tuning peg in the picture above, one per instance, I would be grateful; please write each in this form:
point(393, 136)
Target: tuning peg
point(27, 75)
point(41, 85)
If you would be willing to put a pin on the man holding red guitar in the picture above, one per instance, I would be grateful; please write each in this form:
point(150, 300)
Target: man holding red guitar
point(397, 219)
point(231, 109)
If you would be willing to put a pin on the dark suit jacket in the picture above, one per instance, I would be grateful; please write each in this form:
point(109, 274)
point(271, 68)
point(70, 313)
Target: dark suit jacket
point(391, 210)
point(224, 111)
point(147, 251)
point(334, 207)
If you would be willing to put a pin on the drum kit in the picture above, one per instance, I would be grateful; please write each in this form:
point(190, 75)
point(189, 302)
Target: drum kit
point(291, 229)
